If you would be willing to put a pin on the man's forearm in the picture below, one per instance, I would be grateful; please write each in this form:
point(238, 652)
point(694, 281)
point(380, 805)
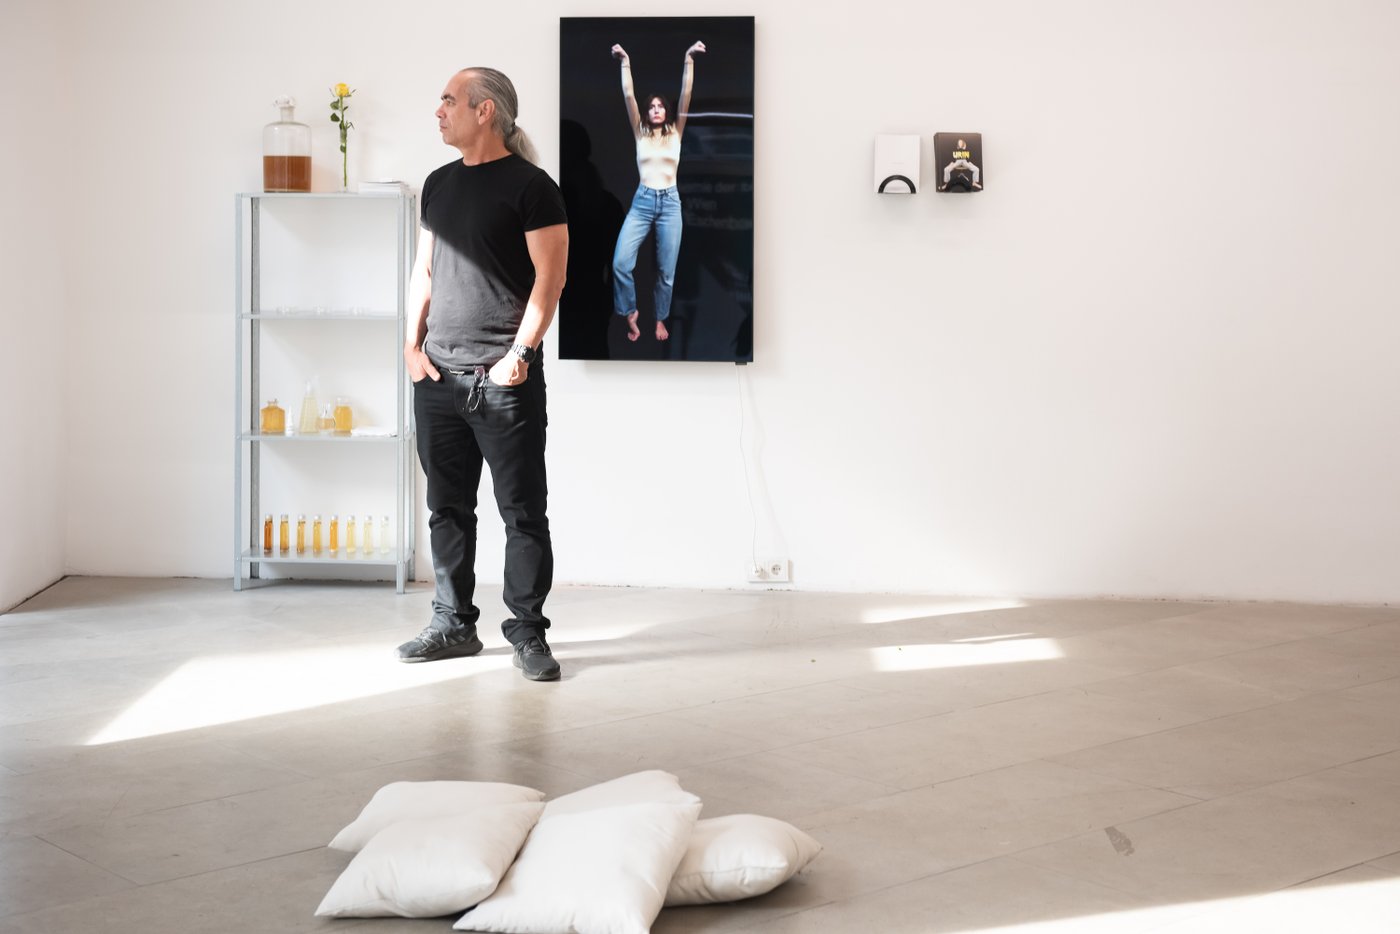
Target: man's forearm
point(539, 313)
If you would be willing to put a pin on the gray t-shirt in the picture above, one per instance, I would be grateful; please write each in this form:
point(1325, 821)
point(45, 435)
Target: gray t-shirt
point(482, 271)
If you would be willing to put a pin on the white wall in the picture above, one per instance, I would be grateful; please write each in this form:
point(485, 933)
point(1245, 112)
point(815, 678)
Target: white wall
point(35, 371)
point(1152, 358)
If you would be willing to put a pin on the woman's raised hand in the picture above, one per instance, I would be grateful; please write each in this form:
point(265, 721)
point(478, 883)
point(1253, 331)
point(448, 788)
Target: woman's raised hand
point(697, 47)
point(620, 53)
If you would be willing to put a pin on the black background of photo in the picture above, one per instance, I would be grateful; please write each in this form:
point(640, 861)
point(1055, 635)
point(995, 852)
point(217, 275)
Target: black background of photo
point(712, 303)
point(943, 146)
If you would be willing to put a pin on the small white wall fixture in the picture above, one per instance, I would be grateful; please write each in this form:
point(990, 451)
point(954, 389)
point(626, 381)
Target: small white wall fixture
point(896, 164)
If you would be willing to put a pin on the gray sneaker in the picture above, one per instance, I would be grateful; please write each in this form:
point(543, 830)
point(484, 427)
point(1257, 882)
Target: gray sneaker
point(432, 645)
point(535, 661)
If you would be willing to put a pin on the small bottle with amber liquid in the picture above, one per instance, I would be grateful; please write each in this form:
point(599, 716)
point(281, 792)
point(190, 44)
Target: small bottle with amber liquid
point(267, 534)
point(274, 419)
point(301, 535)
point(286, 151)
point(284, 535)
point(349, 536)
point(316, 548)
point(333, 536)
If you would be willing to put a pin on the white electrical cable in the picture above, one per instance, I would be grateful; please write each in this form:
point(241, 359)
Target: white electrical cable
point(748, 485)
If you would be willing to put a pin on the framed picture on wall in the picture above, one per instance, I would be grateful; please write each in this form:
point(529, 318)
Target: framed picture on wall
point(957, 162)
point(656, 166)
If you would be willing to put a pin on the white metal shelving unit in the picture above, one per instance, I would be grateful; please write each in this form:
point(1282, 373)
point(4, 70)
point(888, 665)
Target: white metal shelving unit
point(249, 319)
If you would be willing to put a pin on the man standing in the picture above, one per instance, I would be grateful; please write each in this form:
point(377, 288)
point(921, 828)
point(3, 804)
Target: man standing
point(489, 270)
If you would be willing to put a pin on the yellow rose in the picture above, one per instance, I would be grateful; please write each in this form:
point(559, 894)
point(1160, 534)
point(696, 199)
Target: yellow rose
point(341, 90)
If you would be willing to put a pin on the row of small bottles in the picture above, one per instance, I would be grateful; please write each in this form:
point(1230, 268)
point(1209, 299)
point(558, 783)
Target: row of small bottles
point(338, 419)
point(330, 545)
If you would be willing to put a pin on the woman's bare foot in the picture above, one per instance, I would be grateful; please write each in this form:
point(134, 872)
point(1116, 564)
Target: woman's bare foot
point(633, 332)
point(661, 332)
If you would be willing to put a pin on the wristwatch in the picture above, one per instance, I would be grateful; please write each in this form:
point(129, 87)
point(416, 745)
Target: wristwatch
point(524, 352)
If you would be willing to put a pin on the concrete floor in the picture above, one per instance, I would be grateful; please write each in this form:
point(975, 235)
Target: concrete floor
point(174, 756)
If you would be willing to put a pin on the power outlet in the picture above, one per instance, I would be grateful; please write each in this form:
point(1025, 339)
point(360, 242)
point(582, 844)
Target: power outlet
point(770, 569)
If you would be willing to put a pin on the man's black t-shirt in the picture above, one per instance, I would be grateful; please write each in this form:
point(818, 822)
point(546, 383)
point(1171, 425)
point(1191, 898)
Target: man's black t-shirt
point(481, 267)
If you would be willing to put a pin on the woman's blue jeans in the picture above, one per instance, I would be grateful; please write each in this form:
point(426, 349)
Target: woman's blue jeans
point(652, 208)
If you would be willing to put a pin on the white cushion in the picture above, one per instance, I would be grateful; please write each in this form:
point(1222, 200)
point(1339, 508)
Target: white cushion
point(653, 787)
point(414, 800)
point(432, 867)
point(739, 856)
point(598, 861)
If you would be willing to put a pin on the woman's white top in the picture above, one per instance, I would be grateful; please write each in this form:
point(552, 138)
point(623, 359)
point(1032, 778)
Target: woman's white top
point(658, 158)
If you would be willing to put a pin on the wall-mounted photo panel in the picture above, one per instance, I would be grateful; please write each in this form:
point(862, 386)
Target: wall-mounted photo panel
point(656, 165)
point(957, 162)
point(896, 164)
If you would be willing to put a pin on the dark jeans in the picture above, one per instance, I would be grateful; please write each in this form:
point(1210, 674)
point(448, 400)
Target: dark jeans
point(464, 420)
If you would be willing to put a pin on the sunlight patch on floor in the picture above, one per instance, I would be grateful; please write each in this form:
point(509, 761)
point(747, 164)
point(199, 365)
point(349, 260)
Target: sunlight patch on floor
point(924, 610)
point(227, 688)
point(1368, 907)
point(963, 655)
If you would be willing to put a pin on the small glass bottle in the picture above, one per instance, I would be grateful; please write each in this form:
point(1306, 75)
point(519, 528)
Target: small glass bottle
point(344, 417)
point(267, 534)
point(286, 151)
point(386, 536)
point(349, 536)
point(333, 539)
point(284, 534)
point(367, 530)
point(301, 535)
point(274, 418)
point(316, 548)
point(326, 420)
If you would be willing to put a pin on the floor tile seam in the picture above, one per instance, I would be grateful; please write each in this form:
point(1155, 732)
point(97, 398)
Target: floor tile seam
point(1088, 770)
point(1216, 718)
point(1342, 767)
point(1148, 900)
point(1155, 900)
point(1218, 799)
point(1378, 755)
point(1332, 872)
point(892, 789)
point(1286, 642)
point(755, 694)
point(1208, 718)
point(265, 760)
point(84, 859)
point(830, 736)
point(774, 916)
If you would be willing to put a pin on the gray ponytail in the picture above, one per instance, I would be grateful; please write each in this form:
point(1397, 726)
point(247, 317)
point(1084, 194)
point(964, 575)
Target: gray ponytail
point(490, 84)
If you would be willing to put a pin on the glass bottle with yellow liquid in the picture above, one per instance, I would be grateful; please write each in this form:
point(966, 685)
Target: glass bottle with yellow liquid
point(367, 541)
point(267, 534)
point(333, 536)
point(284, 535)
point(326, 420)
point(349, 536)
point(274, 419)
point(343, 416)
point(301, 535)
point(316, 548)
